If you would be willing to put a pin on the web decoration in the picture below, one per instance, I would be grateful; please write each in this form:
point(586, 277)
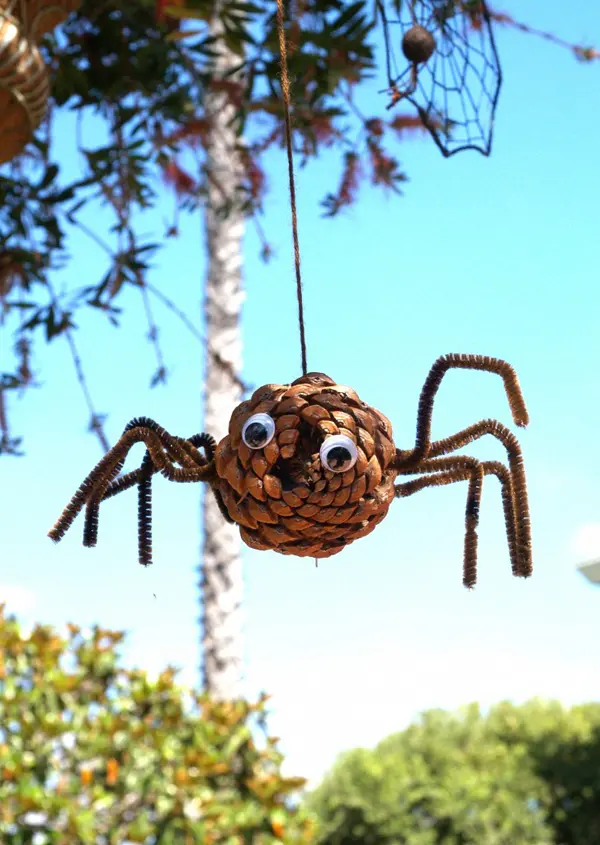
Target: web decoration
point(441, 56)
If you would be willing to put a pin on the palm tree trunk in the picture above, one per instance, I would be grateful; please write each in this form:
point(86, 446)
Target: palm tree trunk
point(221, 581)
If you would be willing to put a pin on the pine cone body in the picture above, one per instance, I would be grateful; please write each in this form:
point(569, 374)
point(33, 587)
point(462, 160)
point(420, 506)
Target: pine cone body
point(281, 496)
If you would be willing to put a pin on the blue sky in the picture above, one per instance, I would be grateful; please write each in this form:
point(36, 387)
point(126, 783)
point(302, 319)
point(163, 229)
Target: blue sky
point(497, 256)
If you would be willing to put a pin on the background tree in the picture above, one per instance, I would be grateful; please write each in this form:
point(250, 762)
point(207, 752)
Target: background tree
point(564, 747)
point(526, 774)
point(91, 752)
point(221, 580)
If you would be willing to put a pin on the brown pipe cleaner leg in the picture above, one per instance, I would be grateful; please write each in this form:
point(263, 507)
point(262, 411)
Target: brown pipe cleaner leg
point(130, 479)
point(461, 468)
point(145, 511)
point(90, 529)
point(432, 383)
point(508, 502)
point(98, 479)
point(191, 446)
point(143, 478)
point(177, 450)
point(518, 481)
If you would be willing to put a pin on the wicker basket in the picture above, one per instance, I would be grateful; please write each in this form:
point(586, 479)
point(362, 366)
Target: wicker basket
point(24, 87)
point(42, 16)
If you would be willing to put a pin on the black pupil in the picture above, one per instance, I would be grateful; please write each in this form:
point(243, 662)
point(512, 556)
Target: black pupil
point(256, 434)
point(338, 457)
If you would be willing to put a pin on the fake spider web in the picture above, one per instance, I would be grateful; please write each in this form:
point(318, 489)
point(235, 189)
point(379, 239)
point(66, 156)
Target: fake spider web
point(456, 91)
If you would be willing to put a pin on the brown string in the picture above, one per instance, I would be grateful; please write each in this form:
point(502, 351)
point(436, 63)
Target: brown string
point(285, 87)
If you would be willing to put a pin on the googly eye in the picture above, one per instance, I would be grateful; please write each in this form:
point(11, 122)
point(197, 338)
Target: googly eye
point(338, 453)
point(258, 430)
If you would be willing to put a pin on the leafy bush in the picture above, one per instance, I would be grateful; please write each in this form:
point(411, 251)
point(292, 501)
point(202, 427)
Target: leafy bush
point(518, 775)
point(91, 752)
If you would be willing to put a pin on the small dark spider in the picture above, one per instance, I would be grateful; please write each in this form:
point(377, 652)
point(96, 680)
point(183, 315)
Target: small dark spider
point(308, 468)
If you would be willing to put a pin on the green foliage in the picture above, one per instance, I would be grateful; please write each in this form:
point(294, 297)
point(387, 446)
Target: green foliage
point(564, 747)
point(528, 774)
point(91, 752)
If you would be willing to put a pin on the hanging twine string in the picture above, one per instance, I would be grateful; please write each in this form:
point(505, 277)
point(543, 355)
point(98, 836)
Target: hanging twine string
point(285, 87)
